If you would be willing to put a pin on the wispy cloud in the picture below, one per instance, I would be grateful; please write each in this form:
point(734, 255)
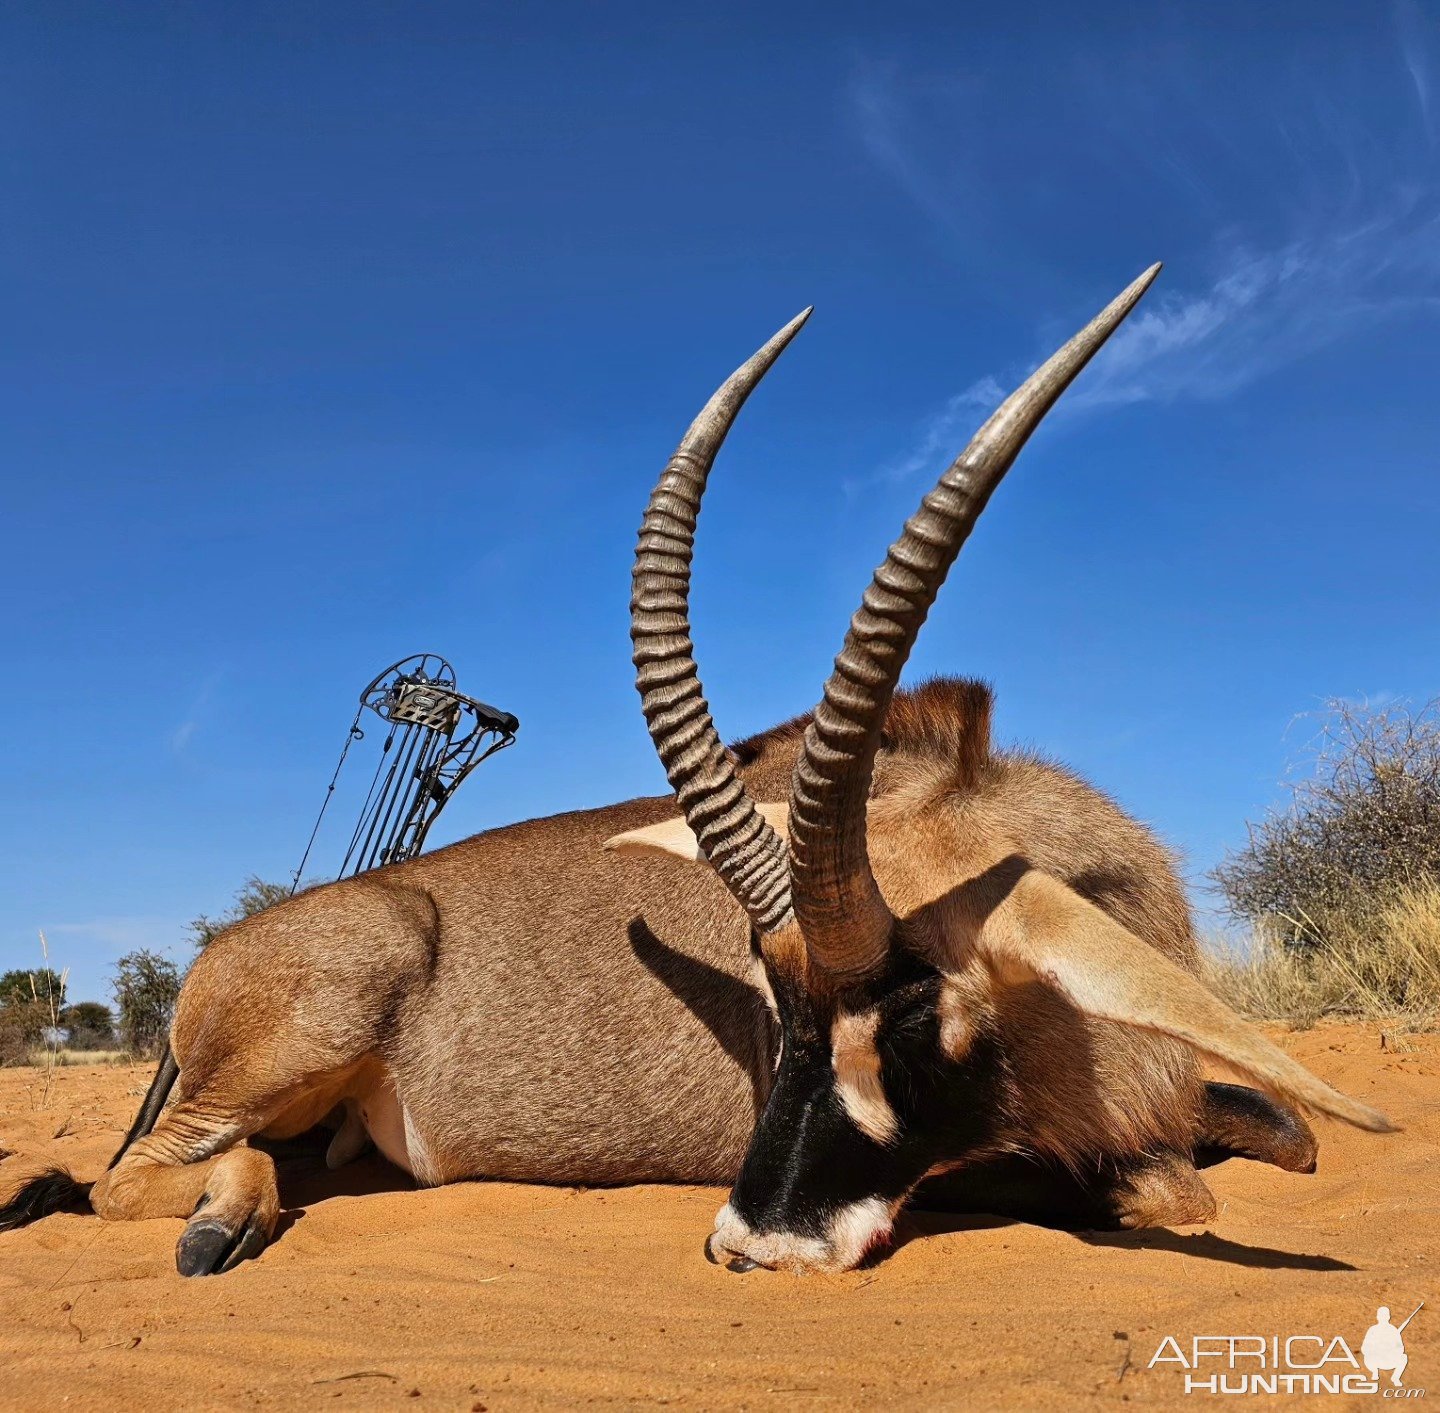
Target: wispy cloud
point(1374, 701)
point(1268, 308)
point(90, 948)
point(882, 123)
point(936, 443)
point(121, 934)
point(1414, 50)
point(1261, 311)
point(1332, 230)
point(195, 712)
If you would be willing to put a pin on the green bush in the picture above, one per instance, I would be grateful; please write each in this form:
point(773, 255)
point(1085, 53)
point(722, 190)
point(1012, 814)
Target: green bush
point(255, 895)
point(146, 987)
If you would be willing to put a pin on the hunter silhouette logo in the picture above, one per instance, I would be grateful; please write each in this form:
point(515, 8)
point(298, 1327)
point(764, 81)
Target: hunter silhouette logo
point(1383, 1349)
point(1297, 1363)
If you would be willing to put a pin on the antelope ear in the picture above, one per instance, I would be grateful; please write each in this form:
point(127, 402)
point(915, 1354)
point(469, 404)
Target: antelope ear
point(1045, 932)
point(674, 836)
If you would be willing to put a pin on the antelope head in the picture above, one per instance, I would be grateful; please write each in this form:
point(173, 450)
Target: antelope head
point(881, 1078)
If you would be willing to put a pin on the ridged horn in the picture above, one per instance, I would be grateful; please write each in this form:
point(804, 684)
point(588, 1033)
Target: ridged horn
point(845, 920)
point(734, 836)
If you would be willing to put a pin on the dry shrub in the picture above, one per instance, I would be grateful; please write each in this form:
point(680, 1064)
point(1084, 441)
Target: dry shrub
point(30, 1003)
point(1343, 887)
point(1380, 960)
point(22, 1030)
point(1364, 824)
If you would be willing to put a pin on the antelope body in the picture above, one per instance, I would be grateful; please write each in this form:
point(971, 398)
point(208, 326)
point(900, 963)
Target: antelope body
point(945, 959)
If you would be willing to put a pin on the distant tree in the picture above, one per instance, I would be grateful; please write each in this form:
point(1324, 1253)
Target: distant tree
point(146, 986)
point(255, 895)
point(90, 1026)
point(22, 986)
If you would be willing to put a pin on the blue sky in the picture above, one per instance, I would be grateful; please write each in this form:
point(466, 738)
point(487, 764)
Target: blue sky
point(337, 332)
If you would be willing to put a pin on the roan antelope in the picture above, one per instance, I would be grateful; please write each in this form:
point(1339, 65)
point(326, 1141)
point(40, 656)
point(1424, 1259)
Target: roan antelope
point(947, 963)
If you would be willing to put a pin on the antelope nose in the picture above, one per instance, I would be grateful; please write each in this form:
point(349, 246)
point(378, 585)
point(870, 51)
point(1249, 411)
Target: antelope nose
point(719, 1256)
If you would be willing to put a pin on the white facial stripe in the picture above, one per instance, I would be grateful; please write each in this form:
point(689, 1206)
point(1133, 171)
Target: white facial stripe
point(856, 1228)
point(853, 1231)
point(857, 1075)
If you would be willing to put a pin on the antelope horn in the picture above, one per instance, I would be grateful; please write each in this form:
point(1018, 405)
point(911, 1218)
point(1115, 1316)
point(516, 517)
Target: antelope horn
point(741, 846)
point(844, 918)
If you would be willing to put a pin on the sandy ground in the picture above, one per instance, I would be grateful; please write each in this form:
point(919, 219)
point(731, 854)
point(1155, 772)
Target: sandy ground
point(499, 1296)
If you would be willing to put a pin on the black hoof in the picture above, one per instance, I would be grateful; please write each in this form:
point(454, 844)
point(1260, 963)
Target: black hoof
point(739, 1264)
point(208, 1247)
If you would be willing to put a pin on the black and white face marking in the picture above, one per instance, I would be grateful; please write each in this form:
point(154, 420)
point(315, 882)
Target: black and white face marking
point(866, 1101)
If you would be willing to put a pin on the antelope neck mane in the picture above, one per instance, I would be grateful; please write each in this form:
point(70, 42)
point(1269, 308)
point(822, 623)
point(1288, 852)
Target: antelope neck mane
point(942, 724)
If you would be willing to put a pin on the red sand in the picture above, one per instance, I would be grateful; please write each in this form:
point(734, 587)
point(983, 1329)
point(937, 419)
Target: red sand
point(501, 1296)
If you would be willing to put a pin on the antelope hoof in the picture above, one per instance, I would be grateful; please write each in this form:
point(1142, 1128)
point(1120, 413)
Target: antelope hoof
point(208, 1246)
point(720, 1257)
point(1165, 1192)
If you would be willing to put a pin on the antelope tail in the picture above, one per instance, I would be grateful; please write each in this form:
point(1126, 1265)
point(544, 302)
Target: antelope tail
point(58, 1190)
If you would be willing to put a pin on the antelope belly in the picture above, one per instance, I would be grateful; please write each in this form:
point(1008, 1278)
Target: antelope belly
point(393, 1132)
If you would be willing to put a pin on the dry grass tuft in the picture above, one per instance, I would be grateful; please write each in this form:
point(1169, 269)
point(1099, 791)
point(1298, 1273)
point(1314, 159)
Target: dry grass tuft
point(64, 1056)
point(1380, 961)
